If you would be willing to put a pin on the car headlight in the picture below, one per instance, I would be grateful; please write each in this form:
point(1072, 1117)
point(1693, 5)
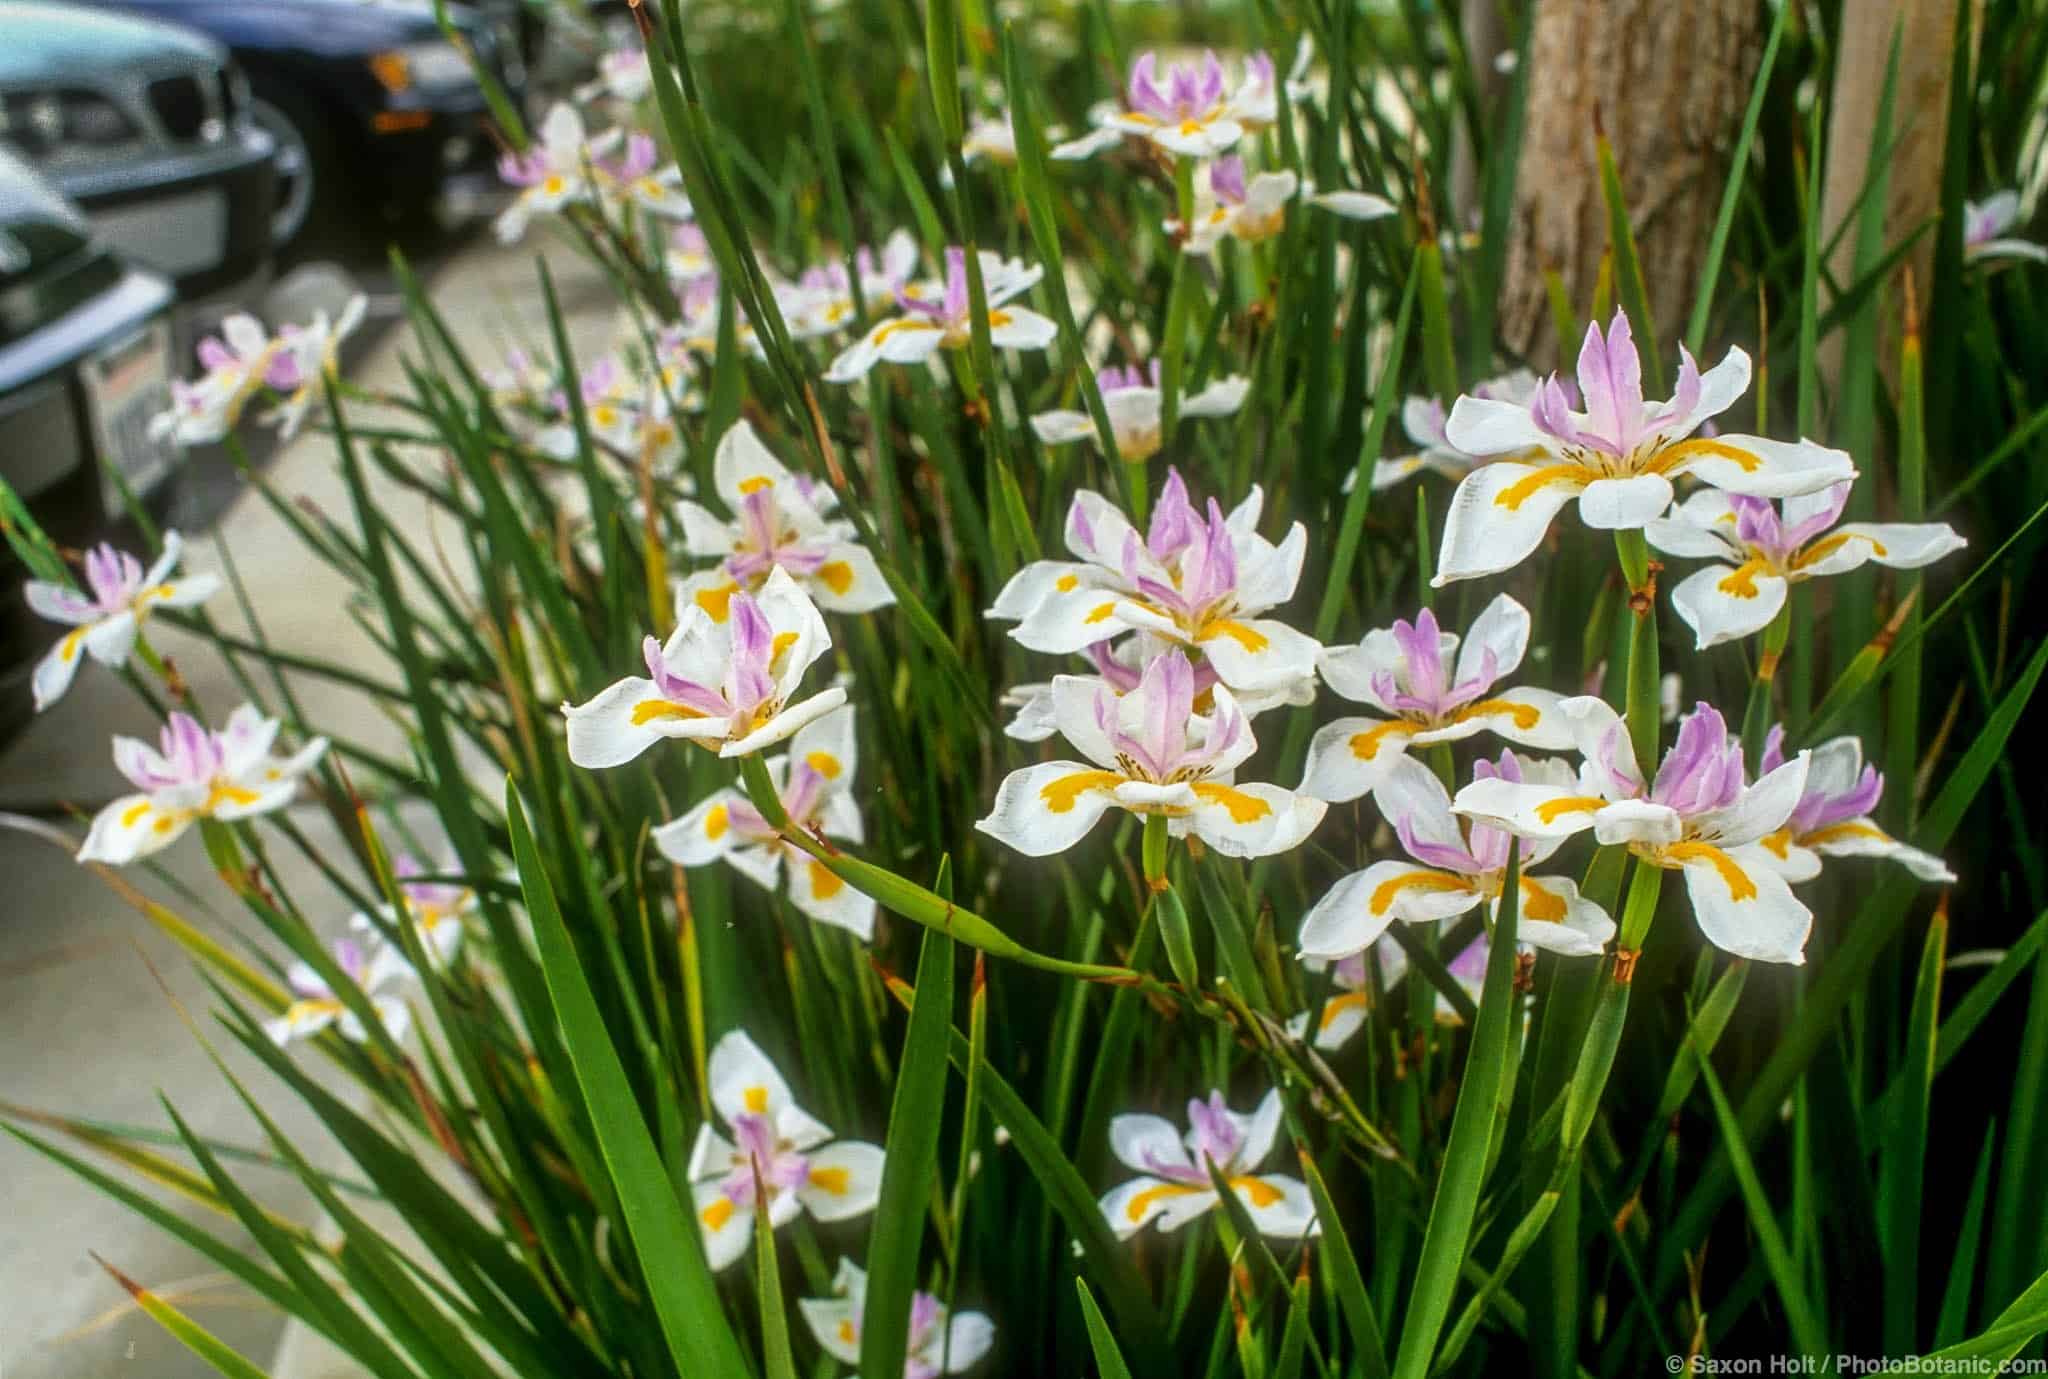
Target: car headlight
point(429, 66)
point(47, 125)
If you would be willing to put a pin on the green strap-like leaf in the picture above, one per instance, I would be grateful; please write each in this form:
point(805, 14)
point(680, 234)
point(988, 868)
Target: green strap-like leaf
point(910, 1164)
point(664, 1237)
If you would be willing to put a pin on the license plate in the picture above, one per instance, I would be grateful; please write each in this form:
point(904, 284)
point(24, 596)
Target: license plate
point(127, 385)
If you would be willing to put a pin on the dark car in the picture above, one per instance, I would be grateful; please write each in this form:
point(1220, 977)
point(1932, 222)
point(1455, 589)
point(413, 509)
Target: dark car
point(144, 125)
point(85, 342)
point(373, 109)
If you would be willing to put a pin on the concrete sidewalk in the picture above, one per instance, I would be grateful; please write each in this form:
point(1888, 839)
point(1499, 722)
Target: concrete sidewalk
point(85, 1029)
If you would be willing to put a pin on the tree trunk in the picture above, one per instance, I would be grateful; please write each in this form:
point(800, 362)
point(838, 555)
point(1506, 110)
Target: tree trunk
point(1913, 154)
point(1667, 79)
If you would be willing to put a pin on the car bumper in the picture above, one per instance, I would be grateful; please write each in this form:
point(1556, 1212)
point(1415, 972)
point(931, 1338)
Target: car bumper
point(71, 393)
point(201, 219)
point(441, 152)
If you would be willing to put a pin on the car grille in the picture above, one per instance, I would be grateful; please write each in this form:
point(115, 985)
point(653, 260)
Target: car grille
point(180, 105)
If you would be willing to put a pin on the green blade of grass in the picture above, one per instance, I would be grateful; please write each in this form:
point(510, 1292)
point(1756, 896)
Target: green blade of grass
point(1456, 1201)
point(188, 1333)
point(1902, 1161)
point(911, 1161)
point(1806, 1329)
point(663, 1235)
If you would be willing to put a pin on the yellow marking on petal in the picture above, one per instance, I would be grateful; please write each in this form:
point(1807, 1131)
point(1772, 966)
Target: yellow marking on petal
point(67, 650)
point(1828, 545)
point(1060, 795)
point(166, 822)
point(832, 1180)
point(1523, 489)
point(648, 710)
point(999, 318)
point(1549, 810)
point(1778, 844)
point(756, 1099)
point(1834, 833)
point(1337, 1005)
point(1740, 582)
point(1067, 583)
point(1142, 1202)
point(897, 327)
point(846, 1333)
point(837, 574)
point(553, 186)
point(1675, 457)
point(717, 602)
point(718, 1213)
point(1526, 716)
point(1250, 638)
point(132, 815)
point(1366, 745)
point(715, 822)
point(1540, 904)
point(824, 882)
point(1258, 1191)
point(825, 764)
point(1740, 887)
point(754, 484)
point(1244, 809)
point(1101, 613)
point(225, 793)
point(783, 642)
point(1384, 894)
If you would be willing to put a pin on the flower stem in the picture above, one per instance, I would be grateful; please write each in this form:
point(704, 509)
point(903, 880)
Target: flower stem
point(1153, 850)
point(1173, 345)
point(1643, 889)
point(1756, 718)
point(1644, 717)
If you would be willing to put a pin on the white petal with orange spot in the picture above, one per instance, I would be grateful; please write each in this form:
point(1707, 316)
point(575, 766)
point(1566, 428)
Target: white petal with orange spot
point(743, 1080)
point(820, 893)
point(627, 718)
point(703, 835)
point(1349, 756)
point(132, 827)
point(1279, 1206)
point(1500, 513)
point(1862, 837)
point(845, 1181)
point(1130, 1207)
point(1354, 913)
point(1255, 820)
point(1742, 904)
point(1722, 603)
point(724, 1226)
point(1764, 468)
point(849, 581)
point(1257, 653)
point(1528, 810)
point(1048, 808)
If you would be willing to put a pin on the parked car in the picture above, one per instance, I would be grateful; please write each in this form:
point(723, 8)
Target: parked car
point(373, 109)
point(145, 126)
point(85, 343)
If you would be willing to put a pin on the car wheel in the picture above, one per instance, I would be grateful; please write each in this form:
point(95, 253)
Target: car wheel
point(305, 160)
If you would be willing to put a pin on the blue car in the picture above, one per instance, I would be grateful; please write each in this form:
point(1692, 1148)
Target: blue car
point(375, 112)
point(145, 126)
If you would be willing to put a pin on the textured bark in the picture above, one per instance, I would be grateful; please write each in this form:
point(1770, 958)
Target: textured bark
point(1668, 80)
point(1912, 164)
